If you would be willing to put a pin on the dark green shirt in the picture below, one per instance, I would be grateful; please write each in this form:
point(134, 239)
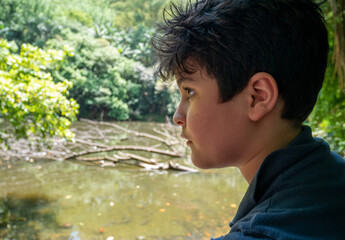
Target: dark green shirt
point(297, 193)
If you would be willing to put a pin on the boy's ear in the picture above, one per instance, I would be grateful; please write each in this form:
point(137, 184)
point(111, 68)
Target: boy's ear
point(264, 93)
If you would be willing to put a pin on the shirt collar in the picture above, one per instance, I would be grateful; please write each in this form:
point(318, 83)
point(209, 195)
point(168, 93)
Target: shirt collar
point(272, 166)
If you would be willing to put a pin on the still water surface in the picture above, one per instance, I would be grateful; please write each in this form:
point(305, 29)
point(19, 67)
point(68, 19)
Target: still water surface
point(68, 200)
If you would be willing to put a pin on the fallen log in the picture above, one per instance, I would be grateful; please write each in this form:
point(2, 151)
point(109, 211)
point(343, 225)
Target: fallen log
point(165, 141)
point(97, 159)
point(113, 148)
point(167, 166)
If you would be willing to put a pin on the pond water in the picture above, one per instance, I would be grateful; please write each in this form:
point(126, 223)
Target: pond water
point(68, 200)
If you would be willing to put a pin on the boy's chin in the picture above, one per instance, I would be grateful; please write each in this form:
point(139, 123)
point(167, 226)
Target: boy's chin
point(198, 163)
point(205, 163)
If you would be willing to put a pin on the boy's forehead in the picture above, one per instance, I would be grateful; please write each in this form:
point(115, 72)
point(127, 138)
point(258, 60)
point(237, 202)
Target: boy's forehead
point(193, 75)
point(187, 68)
point(192, 68)
point(183, 78)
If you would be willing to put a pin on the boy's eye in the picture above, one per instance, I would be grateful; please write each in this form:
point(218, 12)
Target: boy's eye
point(189, 92)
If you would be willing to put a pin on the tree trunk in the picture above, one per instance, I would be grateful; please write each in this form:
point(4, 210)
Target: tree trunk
point(338, 8)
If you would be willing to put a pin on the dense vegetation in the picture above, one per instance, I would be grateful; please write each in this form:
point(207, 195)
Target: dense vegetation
point(30, 101)
point(106, 67)
point(98, 53)
point(328, 116)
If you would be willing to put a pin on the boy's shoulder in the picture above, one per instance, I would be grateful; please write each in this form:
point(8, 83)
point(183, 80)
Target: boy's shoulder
point(296, 191)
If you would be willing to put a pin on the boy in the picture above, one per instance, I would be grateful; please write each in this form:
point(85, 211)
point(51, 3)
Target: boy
point(249, 72)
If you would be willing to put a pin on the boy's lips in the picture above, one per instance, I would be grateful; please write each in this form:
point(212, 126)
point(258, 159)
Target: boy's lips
point(185, 137)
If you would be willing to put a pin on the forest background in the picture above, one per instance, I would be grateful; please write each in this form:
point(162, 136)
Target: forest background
point(61, 60)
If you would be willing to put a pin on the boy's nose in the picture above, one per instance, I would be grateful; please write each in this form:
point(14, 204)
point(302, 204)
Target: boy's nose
point(179, 118)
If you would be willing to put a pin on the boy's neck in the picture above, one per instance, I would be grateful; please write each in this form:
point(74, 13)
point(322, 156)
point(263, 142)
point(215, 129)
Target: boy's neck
point(275, 137)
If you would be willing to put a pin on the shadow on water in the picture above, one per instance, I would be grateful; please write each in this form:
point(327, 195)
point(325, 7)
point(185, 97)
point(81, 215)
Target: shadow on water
point(29, 212)
point(24, 217)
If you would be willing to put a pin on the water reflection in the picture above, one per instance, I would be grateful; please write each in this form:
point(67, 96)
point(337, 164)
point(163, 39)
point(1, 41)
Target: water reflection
point(74, 236)
point(67, 200)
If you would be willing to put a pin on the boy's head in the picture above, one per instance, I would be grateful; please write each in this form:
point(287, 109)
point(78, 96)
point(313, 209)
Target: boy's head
point(235, 39)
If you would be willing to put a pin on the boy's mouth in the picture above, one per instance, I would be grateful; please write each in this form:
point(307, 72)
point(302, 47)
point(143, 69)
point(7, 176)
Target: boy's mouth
point(185, 137)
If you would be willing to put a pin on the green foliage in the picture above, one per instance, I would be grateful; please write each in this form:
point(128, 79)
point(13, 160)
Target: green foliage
point(98, 85)
point(328, 116)
point(111, 70)
point(107, 84)
point(129, 13)
point(81, 17)
point(155, 99)
point(30, 101)
point(134, 44)
point(100, 11)
point(28, 21)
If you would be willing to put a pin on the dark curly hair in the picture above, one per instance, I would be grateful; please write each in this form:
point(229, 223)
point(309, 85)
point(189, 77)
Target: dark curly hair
point(234, 39)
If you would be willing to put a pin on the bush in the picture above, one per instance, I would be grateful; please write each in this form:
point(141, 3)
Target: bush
point(108, 85)
point(111, 69)
point(98, 85)
point(328, 116)
point(31, 103)
point(28, 21)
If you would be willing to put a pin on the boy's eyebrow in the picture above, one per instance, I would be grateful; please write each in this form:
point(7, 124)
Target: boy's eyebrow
point(180, 80)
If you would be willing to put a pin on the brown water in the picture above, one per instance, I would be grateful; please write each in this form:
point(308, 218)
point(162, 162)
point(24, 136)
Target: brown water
point(68, 200)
